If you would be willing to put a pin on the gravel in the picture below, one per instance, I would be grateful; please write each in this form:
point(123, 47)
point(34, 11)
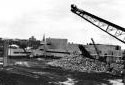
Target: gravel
point(83, 64)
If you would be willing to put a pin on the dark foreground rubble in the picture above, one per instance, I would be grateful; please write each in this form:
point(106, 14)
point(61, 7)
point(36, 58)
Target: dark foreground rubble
point(36, 72)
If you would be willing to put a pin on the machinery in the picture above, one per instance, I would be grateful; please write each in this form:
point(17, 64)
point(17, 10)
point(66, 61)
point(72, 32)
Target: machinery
point(96, 49)
point(106, 26)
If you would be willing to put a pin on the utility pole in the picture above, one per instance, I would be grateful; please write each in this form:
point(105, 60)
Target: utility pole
point(5, 56)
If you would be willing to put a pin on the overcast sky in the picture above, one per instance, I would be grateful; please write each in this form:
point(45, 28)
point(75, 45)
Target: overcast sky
point(26, 18)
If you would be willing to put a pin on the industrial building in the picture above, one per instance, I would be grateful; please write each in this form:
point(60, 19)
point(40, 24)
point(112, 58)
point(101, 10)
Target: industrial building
point(57, 47)
point(61, 48)
point(112, 52)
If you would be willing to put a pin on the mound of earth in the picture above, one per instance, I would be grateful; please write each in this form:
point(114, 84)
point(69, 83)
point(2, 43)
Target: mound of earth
point(83, 64)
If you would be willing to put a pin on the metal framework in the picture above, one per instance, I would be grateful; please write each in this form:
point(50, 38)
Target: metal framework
point(106, 26)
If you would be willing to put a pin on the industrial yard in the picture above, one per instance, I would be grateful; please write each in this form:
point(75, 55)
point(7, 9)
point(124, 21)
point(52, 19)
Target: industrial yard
point(57, 61)
point(37, 72)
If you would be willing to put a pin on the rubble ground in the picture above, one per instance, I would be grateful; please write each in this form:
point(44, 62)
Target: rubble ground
point(83, 64)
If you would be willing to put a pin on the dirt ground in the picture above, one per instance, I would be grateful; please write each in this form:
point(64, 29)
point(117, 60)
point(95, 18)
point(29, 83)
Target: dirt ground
point(37, 72)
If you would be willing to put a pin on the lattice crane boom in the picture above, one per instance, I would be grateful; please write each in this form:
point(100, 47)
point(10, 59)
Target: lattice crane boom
point(106, 26)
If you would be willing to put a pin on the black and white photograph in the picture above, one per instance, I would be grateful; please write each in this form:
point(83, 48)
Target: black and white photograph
point(62, 42)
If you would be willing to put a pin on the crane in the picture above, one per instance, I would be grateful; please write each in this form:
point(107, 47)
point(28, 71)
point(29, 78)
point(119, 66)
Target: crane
point(106, 26)
point(96, 49)
point(112, 29)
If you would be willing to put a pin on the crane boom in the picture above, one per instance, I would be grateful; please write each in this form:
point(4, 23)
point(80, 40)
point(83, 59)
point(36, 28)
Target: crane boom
point(96, 49)
point(106, 26)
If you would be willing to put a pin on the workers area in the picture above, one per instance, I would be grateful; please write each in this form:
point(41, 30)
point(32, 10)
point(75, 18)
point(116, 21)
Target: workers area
point(55, 61)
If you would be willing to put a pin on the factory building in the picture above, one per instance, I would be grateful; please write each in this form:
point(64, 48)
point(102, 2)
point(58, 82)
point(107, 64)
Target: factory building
point(112, 52)
point(73, 49)
point(58, 47)
point(61, 48)
point(55, 43)
point(54, 47)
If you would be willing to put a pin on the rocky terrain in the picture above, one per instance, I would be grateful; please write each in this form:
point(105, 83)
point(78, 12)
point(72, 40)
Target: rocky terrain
point(83, 64)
